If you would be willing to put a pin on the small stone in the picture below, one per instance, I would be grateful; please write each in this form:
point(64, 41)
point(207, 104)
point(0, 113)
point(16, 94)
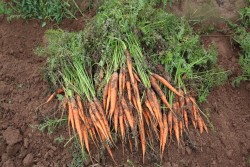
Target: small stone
point(188, 150)
point(26, 142)
point(23, 153)
point(39, 164)
point(213, 162)
point(28, 160)
point(229, 153)
point(12, 136)
point(9, 163)
point(2, 146)
point(53, 148)
point(175, 165)
point(168, 164)
point(248, 87)
point(4, 157)
point(30, 135)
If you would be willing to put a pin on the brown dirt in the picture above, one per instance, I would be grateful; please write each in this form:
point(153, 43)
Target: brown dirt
point(22, 89)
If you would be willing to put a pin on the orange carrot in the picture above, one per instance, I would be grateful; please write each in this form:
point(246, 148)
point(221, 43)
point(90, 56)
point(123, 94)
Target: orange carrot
point(116, 114)
point(181, 127)
point(154, 104)
point(105, 95)
point(130, 68)
point(176, 129)
point(137, 98)
point(170, 122)
point(120, 83)
point(205, 126)
point(128, 114)
point(166, 83)
point(107, 148)
point(200, 124)
point(70, 116)
point(100, 109)
point(123, 78)
point(78, 124)
point(147, 103)
point(85, 138)
point(128, 86)
point(113, 87)
point(143, 140)
point(185, 116)
point(121, 122)
point(137, 77)
point(165, 133)
point(108, 99)
point(159, 91)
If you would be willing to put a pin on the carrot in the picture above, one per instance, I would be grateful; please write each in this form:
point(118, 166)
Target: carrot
point(181, 127)
point(85, 138)
point(159, 91)
point(105, 95)
point(107, 148)
point(137, 98)
point(185, 116)
point(130, 68)
point(176, 129)
point(81, 111)
point(100, 109)
point(205, 126)
point(137, 77)
point(128, 114)
point(146, 116)
point(70, 116)
point(121, 122)
point(77, 122)
point(147, 103)
point(130, 144)
point(97, 123)
point(154, 104)
point(166, 83)
point(170, 122)
point(120, 83)
point(113, 91)
point(123, 78)
point(128, 86)
point(108, 99)
point(165, 133)
point(134, 83)
point(116, 114)
point(92, 131)
point(200, 124)
point(51, 97)
point(194, 107)
point(143, 140)
point(134, 103)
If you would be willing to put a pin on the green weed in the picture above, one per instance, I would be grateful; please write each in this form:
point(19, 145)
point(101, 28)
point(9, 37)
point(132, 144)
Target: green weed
point(245, 15)
point(54, 11)
point(242, 37)
point(79, 156)
point(4, 9)
point(50, 125)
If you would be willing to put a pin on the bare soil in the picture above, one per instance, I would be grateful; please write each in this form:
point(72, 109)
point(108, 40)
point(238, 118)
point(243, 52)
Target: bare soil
point(23, 88)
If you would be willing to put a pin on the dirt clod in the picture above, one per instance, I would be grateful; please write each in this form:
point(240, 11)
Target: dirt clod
point(13, 149)
point(26, 142)
point(12, 136)
point(188, 150)
point(28, 160)
point(9, 163)
point(229, 153)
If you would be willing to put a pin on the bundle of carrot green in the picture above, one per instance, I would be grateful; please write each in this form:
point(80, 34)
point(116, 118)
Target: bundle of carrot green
point(138, 105)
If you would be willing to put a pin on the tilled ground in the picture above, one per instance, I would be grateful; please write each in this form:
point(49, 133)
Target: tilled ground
point(22, 89)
